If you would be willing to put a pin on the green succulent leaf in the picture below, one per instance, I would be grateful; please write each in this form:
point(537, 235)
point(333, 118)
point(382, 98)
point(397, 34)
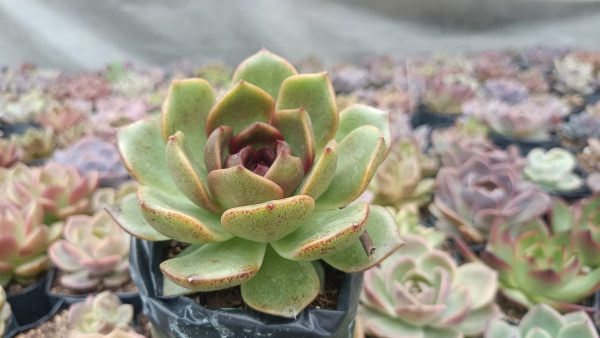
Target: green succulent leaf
point(358, 115)
point(281, 287)
point(315, 94)
point(143, 152)
point(216, 266)
point(383, 231)
point(186, 109)
point(579, 330)
point(321, 174)
point(238, 186)
point(187, 173)
point(269, 221)
point(265, 70)
point(296, 128)
point(287, 171)
point(359, 155)
point(177, 218)
point(497, 328)
point(541, 316)
point(129, 216)
point(243, 105)
point(562, 220)
point(537, 333)
point(216, 148)
point(323, 233)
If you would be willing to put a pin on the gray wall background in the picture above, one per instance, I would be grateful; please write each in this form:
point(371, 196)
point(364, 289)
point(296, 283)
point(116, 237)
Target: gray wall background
point(87, 34)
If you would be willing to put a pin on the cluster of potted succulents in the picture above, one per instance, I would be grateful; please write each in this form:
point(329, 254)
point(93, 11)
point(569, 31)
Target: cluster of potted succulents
point(209, 202)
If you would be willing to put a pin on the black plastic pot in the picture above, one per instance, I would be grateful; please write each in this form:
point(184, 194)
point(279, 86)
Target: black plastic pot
point(436, 121)
point(54, 309)
point(132, 298)
point(181, 317)
point(10, 328)
point(31, 304)
point(525, 146)
point(8, 129)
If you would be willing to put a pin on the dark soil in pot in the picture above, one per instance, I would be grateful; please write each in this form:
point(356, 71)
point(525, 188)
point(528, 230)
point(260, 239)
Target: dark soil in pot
point(424, 116)
point(29, 303)
point(187, 317)
point(524, 145)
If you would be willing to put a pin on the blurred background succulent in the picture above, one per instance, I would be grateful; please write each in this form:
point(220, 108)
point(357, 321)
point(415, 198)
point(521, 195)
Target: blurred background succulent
point(543, 321)
point(537, 264)
point(35, 144)
point(263, 185)
point(94, 253)
point(130, 82)
point(579, 129)
point(100, 316)
point(81, 87)
point(575, 74)
point(469, 198)
point(420, 292)
point(348, 78)
point(68, 123)
point(9, 153)
point(505, 89)
point(93, 154)
point(410, 224)
point(552, 170)
point(24, 239)
point(24, 107)
point(589, 157)
point(5, 313)
point(493, 64)
point(115, 111)
point(109, 196)
point(445, 93)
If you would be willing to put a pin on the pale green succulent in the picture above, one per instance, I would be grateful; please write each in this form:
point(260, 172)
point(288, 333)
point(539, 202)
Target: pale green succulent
point(409, 224)
point(552, 170)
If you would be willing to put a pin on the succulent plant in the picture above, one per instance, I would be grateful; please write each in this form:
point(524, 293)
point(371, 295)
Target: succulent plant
point(95, 252)
point(24, 107)
point(260, 176)
point(84, 86)
point(115, 111)
point(543, 321)
point(35, 143)
point(507, 90)
point(348, 78)
point(552, 170)
point(445, 93)
point(469, 198)
point(539, 264)
point(541, 58)
point(575, 75)
point(5, 313)
point(455, 145)
point(24, 240)
point(579, 128)
point(409, 224)
point(127, 81)
point(68, 123)
point(593, 182)
point(493, 64)
point(108, 197)
point(534, 80)
point(420, 292)
point(100, 316)
point(9, 153)
point(400, 179)
point(92, 154)
point(589, 157)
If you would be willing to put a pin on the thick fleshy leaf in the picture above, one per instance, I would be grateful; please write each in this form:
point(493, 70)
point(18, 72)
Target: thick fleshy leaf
point(562, 220)
point(541, 316)
point(537, 333)
point(269, 221)
point(477, 320)
point(383, 231)
point(480, 280)
point(79, 281)
point(65, 256)
point(358, 115)
point(238, 186)
point(359, 155)
point(324, 233)
point(215, 266)
point(179, 219)
point(187, 173)
point(130, 217)
point(216, 149)
point(281, 287)
point(265, 70)
point(186, 109)
point(32, 268)
point(287, 170)
point(321, 174)
point(296, 128)
point(143, 152)
point(386, 326)
point(258, 134)
point(498, 328)
point(315, 94)
point(579, 330)
point(243, 105)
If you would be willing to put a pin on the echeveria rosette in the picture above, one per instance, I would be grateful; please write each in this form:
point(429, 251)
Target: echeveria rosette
point(542, 321)
point(94, 251)
point(468, 199)
point(552, 170)
point(420, 292)
point(539, 265)
point(258, 178)
point(5, 312)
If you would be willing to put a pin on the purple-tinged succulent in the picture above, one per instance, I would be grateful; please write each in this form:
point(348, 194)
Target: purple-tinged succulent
point(552, 170)
point(505, 89)
point(101, 316)
point(420, 292)
point(543, 321)
point(580, 128)
point(9, 153)
point(541, 58)
point(24, 240)
point(94, 252)
point(577, 73)
point(5, 312)
point(92, 154)
point(85, 86)
point(534, 80)
point(493, 64)
point(445, 93)
point(539, 264)
point(470, 198)
point(113, 112)
point(348, 78)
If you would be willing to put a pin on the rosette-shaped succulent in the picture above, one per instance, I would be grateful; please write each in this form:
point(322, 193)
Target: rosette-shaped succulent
point(100, 316)
point(494, 64)
point(575, 74)
point(537, 264)
point(84, 86)
point(95, 252)
point(589, 157)
point(469, 198)
point(445, 93)
point(68, 123)
point(24, 240)
point(543, 321)
point(92, 154)
point(420, 292)
point(260, 176)
point(35, 143)
point(409, 224)
point(9, 154)
point(507, 90)
point(580, 128)
point(5, 312)
point(107, 197)
point(552, 170)
point(127, 81)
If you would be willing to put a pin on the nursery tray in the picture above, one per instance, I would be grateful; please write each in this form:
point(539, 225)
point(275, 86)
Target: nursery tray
point(32, 303)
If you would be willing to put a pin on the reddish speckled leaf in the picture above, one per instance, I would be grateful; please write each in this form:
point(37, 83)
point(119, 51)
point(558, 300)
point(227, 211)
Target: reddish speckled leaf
point(321, 174)
point(258, 134)
point(265, 70)
point(287, 170)
point(129, 216)
point(217, 148)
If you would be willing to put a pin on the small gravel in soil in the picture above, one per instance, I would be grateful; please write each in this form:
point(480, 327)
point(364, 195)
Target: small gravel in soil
point(56, 327)
point(56, 288)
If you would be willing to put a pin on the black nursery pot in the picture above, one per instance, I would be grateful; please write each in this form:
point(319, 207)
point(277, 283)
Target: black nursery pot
point(436, 121)
point(181, 317)
point(525, 146)
point(32, 303)
point(132, 298)
point(16, 329)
